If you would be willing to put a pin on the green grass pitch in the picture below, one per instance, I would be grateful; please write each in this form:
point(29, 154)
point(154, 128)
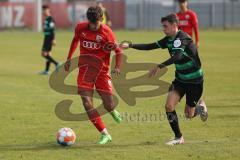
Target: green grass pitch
point(29, 124)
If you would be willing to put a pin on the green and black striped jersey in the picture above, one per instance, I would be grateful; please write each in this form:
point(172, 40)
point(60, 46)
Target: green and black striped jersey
point(188, 68)
point(49, 27)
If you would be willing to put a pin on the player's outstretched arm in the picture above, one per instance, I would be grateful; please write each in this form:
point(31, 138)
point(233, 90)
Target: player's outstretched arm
point(173, 59)
point(150, 46)
point(72, 49)
point(118, 62)
point(118, 52)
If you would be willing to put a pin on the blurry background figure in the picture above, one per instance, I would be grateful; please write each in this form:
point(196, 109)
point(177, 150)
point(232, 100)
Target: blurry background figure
point(106, 18)
point(188, 21)
point(49, 39)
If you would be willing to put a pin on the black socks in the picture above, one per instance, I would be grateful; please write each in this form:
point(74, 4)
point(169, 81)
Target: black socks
point(47, 66)
point(173, 121)
point(51, 60)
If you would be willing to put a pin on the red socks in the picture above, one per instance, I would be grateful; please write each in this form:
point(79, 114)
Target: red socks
point(96, 120)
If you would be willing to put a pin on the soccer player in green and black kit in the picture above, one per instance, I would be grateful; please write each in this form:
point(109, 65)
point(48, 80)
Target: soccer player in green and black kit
point(188, 75)
point(49, 40)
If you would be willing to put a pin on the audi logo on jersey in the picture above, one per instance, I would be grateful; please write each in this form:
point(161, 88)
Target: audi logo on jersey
point(91, 45)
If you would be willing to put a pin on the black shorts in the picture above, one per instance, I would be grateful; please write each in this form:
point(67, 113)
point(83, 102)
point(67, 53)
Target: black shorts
point(47, 44)
point(193, 91)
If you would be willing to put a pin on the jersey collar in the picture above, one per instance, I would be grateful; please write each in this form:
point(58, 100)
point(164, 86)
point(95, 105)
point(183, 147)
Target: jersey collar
point(172, 38)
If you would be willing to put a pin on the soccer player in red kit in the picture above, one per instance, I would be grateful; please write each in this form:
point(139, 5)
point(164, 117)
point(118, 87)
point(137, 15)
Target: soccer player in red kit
point(95, 39)
point(188, 21)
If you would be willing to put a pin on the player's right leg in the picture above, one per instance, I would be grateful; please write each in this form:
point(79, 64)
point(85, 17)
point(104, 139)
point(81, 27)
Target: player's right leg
point(193, 95)
point(48, 63)
point(176, 92)
point(94, 117)
point(195, 110)
point(204, 111)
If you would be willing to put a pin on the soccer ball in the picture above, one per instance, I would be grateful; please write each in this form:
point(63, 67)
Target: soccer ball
point(66, 137)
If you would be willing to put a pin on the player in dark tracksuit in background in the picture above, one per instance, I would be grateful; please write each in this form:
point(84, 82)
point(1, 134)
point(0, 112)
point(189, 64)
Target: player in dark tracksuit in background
point(49, 40)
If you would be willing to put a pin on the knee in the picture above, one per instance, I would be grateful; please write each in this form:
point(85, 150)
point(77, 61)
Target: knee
point(86, 103)
point(169, 107)
point(109, 106)
point(45, 54)
point(189, 115)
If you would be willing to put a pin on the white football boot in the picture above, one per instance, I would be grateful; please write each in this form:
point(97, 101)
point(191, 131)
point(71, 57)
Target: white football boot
point(204, 112)
point(175, 141)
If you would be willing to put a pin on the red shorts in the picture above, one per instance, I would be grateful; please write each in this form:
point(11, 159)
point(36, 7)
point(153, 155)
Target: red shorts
point(101, 81)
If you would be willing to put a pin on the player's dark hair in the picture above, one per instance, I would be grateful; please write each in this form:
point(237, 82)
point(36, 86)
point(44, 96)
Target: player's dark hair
point(181, 1)
point(45, 7)
point(94, 14)
point(171, 18)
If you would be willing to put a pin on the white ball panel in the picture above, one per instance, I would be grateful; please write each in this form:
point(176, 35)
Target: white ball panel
point(63, 134)
point(69, 143)
point(61, 139)
point(69, 133)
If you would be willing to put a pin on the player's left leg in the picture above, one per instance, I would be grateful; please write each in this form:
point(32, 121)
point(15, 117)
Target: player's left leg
point(104, 89)
point(172, 100)
point(51, 59)
point(109, 105)
point(176, 92)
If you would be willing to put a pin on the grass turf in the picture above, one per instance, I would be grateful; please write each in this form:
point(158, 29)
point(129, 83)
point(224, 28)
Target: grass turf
point(29, 124)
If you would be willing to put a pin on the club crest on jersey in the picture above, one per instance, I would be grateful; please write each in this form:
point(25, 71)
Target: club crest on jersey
point(177, 43)
point(187, 16)
point(83, 34)
point(98, 38)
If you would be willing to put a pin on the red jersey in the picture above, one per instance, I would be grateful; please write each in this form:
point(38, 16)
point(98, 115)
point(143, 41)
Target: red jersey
point(94, 43)
point(187, 22)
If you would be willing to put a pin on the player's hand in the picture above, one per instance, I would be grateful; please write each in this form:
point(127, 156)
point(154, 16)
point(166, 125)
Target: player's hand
point(197, 44)
point(125, 44)
point(67, 65)
point(153, 71)
point(54, 42)
point(116, 71)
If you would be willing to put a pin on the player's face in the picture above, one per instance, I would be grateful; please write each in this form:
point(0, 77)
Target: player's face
point(46, 12)
point(169, 29)
point(95, 26)
point(183, 5)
